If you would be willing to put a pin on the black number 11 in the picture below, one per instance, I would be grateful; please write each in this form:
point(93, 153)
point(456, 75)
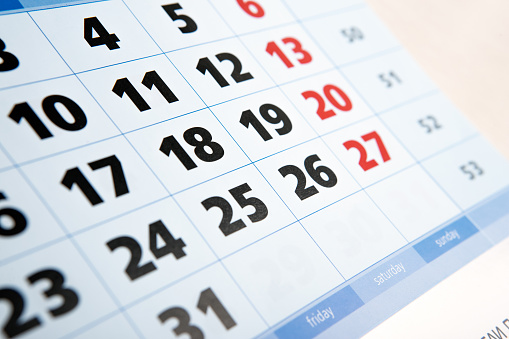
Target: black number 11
point(150, 79)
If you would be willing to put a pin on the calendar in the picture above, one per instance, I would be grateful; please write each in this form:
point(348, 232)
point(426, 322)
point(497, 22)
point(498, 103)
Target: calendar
point(227, 169)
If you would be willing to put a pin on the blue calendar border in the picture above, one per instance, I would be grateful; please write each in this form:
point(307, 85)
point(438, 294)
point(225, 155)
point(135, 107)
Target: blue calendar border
point(359, 305)
point(16, 6)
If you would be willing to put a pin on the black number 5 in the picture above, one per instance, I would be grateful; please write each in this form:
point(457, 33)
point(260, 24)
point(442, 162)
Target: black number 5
point(190, 24)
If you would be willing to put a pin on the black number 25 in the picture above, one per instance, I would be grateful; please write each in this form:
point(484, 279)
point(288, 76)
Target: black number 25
point(226, 225)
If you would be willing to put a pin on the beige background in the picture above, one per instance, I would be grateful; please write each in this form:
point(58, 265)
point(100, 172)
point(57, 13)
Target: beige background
point(463, 45)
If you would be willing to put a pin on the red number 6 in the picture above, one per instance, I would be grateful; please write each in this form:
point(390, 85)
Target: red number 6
point(252, 8)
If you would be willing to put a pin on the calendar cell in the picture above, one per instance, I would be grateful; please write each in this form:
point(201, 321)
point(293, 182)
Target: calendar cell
point(245, 16)
point(24, 62)
point(143, 92)
point(181, 24)
point(263, 123)
point(327, 101)
point(221, 71)
point(95, 35)
point(24, 221)
point(388, 80)
point(56, 292)
point(369, 151)
point(4, 162)
point(94, 183)
point(304, 9)
point(145, 250)
point(184, 308)
point(50, 117)
point(286, 53)
point(469, 172)
point(429, 125)
point(308, 177)
point(354, 234)
point(188, 150)
point(235, 210)
point(352, 35)
point(413, 202)
point(283, 273)
point(116, 327)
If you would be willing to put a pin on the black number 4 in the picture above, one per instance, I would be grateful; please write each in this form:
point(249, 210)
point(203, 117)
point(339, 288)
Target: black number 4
point(75, 176)
point(104, 38)
point(226, 225)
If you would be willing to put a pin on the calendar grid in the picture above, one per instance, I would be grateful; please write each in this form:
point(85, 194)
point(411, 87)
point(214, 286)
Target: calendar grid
point(123, 307)
point(251, 163)
point(66, 231)
point(350, 8)
point(391, 255)
point(98, 224)
point(407, 102)
point(326, 145)
point(260, 172)
point(78, 248)
point(383, 122)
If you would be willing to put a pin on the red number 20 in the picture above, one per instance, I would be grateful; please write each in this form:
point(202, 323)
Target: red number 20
point(327, 91)
point(363, 162)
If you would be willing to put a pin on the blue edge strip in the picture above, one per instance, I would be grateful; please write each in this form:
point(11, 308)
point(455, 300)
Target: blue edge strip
point(489, 219)
point(8, 5)
point(16, 6)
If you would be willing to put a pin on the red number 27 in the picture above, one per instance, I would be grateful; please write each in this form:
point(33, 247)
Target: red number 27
point(363, 160)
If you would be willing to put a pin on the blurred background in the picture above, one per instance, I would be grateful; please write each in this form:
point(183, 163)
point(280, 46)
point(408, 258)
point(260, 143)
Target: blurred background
point(463, 45)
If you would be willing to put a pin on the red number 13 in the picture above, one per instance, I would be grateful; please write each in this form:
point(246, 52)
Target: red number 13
point(305, 58)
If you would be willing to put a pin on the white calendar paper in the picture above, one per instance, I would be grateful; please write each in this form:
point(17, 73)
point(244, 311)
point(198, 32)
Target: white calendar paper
point(226, 169)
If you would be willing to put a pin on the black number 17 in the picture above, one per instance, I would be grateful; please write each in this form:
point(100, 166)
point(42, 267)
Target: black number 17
point(75, 176)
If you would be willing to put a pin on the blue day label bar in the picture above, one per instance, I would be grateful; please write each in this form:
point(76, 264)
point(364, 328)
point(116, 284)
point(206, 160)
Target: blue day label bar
point(442, 241)
point(387, 275)
point(491, 212)
point(322, 316)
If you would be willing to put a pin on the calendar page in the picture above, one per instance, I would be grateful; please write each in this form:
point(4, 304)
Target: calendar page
point(227, 169)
